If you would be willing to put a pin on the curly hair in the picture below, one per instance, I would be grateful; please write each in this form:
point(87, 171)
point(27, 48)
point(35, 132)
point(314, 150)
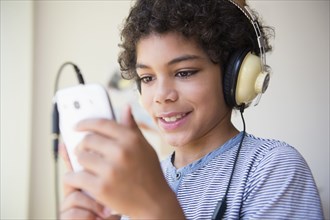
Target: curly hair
point(218, 26)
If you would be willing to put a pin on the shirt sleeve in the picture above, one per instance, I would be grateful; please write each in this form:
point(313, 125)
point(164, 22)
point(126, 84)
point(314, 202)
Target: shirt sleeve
point(281, 187)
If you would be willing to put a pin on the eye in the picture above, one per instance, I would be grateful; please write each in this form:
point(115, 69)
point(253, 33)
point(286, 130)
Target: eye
point(146, 79)
point(186, 73)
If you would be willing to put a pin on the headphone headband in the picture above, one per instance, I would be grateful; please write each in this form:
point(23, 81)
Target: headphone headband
point(261, 41)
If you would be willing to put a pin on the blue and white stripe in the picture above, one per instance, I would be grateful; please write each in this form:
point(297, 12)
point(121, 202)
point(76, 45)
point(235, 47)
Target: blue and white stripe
point(271, 181)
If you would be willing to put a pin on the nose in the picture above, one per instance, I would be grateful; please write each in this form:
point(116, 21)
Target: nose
point(165, 92)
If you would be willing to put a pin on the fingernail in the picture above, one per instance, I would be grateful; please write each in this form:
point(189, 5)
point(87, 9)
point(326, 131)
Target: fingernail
point(106, 212)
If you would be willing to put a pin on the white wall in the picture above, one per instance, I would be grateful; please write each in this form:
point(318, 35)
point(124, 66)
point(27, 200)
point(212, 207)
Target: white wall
point(16, 85)
point(295, 108)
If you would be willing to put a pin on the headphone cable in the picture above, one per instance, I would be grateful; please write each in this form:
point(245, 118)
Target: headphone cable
point(222, 204)
point(56, 130)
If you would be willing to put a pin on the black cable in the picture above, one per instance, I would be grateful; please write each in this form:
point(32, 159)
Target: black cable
point(56, 134)
point(77, 71)
point(222, 204)
point(55, 117)
point(56, 129)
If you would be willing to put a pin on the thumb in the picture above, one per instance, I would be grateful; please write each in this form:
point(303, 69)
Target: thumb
point(127, 117)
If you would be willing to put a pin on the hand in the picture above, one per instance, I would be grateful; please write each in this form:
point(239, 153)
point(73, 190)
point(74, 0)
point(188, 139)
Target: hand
point(122, 170)
point(78, 205)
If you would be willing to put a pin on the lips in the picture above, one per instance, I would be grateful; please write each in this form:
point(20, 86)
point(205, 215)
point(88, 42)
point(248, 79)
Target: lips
point(172, 121)
point(173, 118)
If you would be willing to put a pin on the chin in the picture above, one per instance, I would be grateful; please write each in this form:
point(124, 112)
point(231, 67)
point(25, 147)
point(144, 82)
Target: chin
point(175, 142)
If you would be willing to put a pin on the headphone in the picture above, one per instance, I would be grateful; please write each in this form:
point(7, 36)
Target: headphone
point(246, 75)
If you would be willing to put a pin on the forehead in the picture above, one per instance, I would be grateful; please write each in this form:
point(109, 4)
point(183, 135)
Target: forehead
point(166, 46)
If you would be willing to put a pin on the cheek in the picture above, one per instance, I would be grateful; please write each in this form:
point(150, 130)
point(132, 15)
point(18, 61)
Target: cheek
point(146, 101)
point(210, 98)
point(207, 91)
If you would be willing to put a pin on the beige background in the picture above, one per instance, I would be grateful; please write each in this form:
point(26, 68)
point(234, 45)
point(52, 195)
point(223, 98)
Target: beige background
point(38, 36)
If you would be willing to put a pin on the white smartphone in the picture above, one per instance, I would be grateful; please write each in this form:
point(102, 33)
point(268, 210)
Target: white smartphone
point(78, 103)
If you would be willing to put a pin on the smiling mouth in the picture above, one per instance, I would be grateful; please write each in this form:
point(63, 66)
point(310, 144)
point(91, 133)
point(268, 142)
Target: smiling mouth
point(173, 118)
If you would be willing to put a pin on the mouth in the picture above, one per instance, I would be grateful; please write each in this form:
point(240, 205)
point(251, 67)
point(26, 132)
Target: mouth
point(172, 121)
point(174, 118)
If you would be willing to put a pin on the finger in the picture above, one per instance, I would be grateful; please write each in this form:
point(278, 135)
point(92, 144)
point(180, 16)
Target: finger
point(78, 213)
point(67, 188)
point(83, 180)
point(101, 126)
point(98, 145)
point(64, 155)
point(127, 117)
point(109, 128)
point(81, 201)
point(93, 162)
point(93, 186)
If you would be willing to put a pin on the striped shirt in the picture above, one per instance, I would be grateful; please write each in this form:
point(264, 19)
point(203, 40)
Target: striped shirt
point(271, 181)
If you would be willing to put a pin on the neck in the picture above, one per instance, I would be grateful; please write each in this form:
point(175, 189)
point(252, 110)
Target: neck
point(215, 138)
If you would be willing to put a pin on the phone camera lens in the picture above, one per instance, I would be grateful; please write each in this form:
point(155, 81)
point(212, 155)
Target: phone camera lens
point(76, 104)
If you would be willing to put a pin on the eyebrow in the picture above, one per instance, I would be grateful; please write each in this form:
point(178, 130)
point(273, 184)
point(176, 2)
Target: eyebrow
point(174, 61)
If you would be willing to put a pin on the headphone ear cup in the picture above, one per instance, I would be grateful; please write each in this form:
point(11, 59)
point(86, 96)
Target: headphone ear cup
point(231, 76)
point(251, 80)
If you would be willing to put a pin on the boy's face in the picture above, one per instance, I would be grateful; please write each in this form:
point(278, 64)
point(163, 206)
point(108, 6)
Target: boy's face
point(180, 88)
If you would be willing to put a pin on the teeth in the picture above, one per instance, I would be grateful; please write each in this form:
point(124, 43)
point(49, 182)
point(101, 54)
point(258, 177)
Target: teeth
point(173, 118)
